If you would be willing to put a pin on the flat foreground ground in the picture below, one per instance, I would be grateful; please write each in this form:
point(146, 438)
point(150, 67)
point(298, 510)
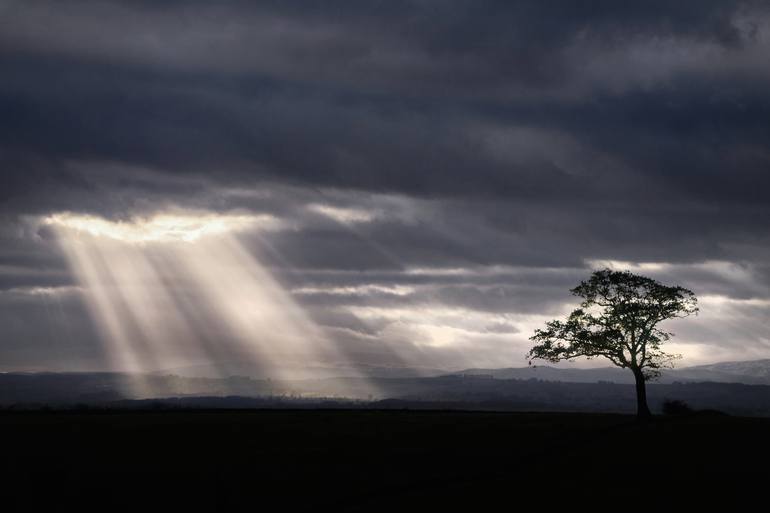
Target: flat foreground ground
point(377, 460)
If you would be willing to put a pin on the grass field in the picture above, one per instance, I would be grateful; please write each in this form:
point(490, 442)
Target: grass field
point(374, 460)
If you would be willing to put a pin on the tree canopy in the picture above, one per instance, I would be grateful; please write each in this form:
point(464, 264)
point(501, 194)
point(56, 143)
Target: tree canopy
point(618, 320)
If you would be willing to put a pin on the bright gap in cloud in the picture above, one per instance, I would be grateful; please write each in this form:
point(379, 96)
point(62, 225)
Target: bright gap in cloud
point(343, 215)
point(178, 227)
point(636, 267)
point(396, 290)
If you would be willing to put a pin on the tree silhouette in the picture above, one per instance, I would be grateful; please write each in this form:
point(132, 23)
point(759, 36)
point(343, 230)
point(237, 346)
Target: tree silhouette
point(617, 320)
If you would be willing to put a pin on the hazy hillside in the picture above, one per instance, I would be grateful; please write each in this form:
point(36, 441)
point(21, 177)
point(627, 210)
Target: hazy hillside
point(445, 392)
point(754, 372)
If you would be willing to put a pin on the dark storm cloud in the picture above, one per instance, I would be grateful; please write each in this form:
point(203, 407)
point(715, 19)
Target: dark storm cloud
point(311, 95)
point(484, 153)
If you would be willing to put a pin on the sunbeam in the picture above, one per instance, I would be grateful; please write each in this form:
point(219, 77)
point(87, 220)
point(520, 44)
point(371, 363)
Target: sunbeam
point(179, 290)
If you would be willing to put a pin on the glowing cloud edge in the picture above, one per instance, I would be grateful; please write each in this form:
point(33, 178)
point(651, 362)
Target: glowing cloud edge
point(161, 227)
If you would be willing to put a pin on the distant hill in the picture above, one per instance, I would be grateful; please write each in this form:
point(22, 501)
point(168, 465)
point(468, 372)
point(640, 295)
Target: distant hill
point(536, 391)
point(753, 372)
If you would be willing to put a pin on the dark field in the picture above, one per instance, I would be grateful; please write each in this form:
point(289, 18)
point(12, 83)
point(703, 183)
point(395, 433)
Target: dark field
point(375, 460)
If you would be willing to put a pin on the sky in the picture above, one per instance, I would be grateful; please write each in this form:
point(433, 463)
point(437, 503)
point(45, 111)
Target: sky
point(408, 183)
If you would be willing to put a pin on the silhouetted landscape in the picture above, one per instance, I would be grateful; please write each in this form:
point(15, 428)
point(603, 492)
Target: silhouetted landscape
point(605, 390)
point(383, 460)
point(468, 439)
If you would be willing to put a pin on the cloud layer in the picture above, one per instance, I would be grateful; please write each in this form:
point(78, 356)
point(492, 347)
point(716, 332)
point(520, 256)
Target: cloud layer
point(443, 172)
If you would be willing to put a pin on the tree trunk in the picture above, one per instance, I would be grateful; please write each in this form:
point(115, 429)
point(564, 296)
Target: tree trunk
point(642, 411)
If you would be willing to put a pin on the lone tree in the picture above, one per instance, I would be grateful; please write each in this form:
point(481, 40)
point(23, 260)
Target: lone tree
point(618, 320)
